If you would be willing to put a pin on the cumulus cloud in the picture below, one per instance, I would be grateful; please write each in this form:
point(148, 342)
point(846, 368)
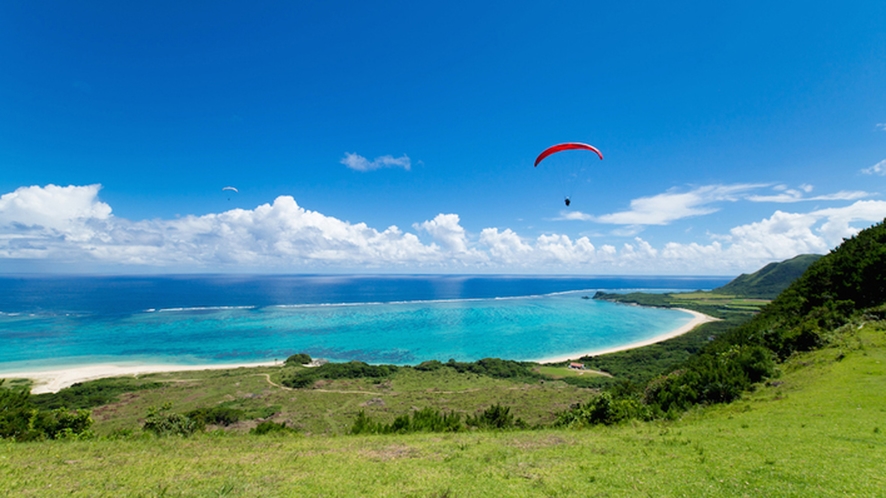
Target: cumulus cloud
point(671, 206)
point(360, 163)
point(877, 169)
point(52, 207)
point(781, 236)
point(71, 225)
point(505, 246)
point(446, 230)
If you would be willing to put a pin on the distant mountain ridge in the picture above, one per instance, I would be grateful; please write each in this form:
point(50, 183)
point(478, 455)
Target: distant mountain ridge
point(769, 281)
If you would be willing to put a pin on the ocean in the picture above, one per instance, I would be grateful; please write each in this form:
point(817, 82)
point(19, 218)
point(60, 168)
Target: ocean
point(64, 321)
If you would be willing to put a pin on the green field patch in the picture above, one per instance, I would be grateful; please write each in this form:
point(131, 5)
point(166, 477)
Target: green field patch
point(559, 372)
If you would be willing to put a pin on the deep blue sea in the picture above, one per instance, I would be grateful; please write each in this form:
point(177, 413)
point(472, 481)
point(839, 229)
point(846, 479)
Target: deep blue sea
point(51, 322)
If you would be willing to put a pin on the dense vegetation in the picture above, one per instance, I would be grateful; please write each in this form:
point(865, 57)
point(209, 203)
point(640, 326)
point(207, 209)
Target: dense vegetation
point(834, 290)
point(304, 377)
point(769, 281)
point(496, 417)
point(21, 420)
point(490, 367)
point(90, 394)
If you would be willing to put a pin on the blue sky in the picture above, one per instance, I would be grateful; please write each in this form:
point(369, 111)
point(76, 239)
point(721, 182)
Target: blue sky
point(733, 135)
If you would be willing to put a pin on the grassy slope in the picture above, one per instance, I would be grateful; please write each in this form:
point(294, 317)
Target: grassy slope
point(331, 406)
point(818, 430)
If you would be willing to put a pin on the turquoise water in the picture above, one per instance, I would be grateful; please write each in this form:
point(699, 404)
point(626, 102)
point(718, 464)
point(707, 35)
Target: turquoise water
point(400, 332)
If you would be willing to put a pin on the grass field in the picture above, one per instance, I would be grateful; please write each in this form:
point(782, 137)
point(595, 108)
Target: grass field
point(714, 304)
point(331, 405)
point(817, 430)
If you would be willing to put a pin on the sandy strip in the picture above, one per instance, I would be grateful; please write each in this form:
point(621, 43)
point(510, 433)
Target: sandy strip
point(697, 319)
point(50, 381)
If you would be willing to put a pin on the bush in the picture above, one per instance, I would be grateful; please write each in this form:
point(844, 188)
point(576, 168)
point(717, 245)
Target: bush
point(268, 427)
point(429, 366)
point(217, 415)
point(424, 420)
point(604, 409)
point(22, 421)
point(495, 417)
point(91, 394)
point(351, 370)
point(297, 359)
point(162, 422)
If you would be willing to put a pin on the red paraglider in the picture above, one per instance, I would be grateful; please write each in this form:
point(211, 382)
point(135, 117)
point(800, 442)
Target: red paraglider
point(566, 146)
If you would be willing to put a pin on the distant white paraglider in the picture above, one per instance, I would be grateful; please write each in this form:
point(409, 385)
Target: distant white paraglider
point(230, 189)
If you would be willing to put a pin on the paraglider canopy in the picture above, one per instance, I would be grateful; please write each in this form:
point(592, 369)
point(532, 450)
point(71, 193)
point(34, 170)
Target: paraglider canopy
point(566, 146)
point(575, 166)
point(230, 188)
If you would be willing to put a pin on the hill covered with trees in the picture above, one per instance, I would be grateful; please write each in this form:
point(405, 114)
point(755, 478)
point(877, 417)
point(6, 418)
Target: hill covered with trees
point(769, 281)
point(835, 291)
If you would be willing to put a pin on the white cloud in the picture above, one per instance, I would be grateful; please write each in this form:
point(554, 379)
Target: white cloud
point(781, 236)
point(71, 226)
point(877, 169)
point(881, 126)
point(786, 195)
point(505, 246)
point(670, 206)
point(446, 230)
point(52, 207)
point(360, 163)
point(663, 209)
point(838, 225)
point(574, 216)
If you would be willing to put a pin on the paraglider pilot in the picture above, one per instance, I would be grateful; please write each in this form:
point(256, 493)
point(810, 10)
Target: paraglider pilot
point(567, 201)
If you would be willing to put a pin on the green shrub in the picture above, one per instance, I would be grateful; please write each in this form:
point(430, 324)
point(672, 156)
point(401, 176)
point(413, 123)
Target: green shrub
point(22, 421)
point(162, 422)
point(298, 359)
point(365, 425)
point(268, 427)
point(351, 370)
point(424, 420)
point(495, 417)
point(604, 409)
point(217, 415)
point(91, 394)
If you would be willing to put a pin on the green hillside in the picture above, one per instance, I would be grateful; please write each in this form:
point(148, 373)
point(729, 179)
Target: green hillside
point(769, 281)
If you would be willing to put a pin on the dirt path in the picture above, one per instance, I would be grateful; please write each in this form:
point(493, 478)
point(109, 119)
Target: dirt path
point(271, 382)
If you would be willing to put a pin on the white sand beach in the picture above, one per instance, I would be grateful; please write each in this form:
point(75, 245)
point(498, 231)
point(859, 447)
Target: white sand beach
point(50, 381)
point(697, 319)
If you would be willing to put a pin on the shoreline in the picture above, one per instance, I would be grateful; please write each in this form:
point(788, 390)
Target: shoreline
point(55, 379)
point(698, 318)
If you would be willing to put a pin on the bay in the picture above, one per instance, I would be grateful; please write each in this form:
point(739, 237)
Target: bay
point(52, 322)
